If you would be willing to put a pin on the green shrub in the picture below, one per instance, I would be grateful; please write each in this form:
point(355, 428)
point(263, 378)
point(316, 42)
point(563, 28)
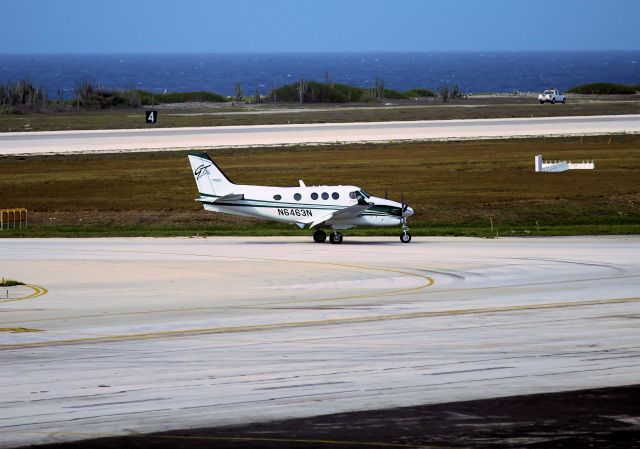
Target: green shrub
point(318, 93)
point(339, 93)
point(9, 283)
point(394, 95)
point(419, 92)
point(180, 97)
point(603, 88)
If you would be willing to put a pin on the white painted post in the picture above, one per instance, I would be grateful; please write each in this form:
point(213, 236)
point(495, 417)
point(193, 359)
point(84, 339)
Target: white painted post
point(538, 163)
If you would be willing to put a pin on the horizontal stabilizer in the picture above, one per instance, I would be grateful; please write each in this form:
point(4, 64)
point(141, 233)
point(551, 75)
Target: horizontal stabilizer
point(229, 197)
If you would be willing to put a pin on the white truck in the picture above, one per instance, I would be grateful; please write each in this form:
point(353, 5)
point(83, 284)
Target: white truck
point(551, 96)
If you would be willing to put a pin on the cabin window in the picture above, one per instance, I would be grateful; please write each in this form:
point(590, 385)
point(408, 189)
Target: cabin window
point(314, 196)
point(335, 195)
point(277, 197)
point(353, 195)
point(297, 197)
point(325, 196)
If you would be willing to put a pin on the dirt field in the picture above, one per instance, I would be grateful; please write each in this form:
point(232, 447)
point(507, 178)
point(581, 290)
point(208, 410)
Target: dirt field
point(217, 114)
point(459, 184)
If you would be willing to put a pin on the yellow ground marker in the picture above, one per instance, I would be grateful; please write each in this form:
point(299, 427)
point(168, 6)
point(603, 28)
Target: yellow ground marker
point(18, 329)
point(37, 292)
point(327, 322)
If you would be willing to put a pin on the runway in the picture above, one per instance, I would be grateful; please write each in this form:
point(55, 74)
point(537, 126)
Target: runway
point(229, 136)
point(118, 336)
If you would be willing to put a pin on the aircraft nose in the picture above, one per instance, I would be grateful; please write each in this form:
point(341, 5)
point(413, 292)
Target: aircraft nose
point(406, 210)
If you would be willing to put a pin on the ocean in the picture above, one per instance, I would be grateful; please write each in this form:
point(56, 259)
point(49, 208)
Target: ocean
point(474, 72)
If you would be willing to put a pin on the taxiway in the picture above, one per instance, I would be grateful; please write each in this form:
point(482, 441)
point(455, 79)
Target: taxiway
point(118, 336)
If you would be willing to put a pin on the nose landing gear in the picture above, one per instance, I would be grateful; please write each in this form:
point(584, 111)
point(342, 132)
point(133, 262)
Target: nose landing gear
point(405, 237)
point(335, 237)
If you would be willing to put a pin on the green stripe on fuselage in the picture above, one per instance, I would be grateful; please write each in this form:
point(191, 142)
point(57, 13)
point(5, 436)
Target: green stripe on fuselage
point(376, 210)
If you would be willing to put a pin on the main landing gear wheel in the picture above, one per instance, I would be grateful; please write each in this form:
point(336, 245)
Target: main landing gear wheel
point(319, 236)
point(335, 238)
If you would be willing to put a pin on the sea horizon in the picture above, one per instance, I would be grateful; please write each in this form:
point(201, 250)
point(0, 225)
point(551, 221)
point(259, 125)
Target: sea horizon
point(487, 71)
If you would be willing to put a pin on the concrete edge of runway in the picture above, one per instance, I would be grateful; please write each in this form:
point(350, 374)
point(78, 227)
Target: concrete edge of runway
point(605, 418)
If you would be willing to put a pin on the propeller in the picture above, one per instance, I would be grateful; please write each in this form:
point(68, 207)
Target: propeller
point(404, 205)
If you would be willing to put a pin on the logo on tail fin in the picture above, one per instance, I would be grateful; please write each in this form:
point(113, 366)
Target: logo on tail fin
point(201, 171)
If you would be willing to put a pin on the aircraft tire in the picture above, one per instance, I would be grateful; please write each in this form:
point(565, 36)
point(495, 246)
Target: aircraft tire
point(319, 236)
point(405, 237)
point(335, 238)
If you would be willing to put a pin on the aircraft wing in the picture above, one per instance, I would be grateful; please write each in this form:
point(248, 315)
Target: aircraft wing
point(342, 214)
point(229, 197)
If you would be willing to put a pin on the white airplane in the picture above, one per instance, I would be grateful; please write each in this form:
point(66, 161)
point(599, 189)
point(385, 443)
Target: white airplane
point(338, 207)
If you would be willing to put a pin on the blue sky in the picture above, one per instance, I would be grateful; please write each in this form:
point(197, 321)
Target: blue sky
point(164, 26)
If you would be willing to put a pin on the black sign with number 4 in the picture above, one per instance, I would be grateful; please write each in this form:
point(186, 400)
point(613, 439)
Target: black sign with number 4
point(151, 116)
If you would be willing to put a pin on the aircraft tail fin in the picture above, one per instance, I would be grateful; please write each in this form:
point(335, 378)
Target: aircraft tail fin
point(209, 178)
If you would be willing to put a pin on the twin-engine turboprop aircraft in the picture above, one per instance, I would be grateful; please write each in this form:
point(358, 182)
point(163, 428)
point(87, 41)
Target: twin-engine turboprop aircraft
point(337, 207)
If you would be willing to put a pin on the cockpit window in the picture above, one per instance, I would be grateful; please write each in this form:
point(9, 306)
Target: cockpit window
point(366, 195)
point(353, 195)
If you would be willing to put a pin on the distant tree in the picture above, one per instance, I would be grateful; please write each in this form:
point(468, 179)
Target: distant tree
point(302, 89)
point(23, 94)
point(239, 93)
point(60, 96)
point(455, 92)
point(327, 79)
point(379, 88)
point(444, 93)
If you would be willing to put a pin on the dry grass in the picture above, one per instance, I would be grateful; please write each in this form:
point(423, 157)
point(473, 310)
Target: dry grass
point(499, 107)
point(448, 183)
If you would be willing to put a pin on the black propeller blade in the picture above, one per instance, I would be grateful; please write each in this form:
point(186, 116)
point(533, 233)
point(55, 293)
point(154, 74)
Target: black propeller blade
point(404, 206)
